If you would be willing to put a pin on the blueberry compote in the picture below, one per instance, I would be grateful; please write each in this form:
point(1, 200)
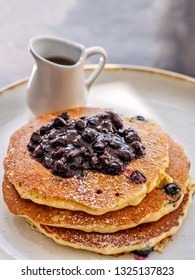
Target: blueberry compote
point(99, 143)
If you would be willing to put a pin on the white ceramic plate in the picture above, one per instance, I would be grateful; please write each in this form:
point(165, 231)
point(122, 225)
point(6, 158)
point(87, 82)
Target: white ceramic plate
point(167, 97)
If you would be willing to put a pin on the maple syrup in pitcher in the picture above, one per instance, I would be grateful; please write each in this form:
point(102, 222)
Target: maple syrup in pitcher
point(58, 81)
point(61, 60)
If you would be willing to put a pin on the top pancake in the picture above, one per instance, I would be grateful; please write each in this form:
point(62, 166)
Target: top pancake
point(33, 181)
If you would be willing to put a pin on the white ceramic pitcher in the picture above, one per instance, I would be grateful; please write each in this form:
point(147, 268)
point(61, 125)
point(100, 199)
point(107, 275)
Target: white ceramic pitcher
point(57, 81)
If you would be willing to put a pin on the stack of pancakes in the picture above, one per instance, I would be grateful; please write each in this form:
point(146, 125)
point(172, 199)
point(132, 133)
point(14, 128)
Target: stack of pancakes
point(107, 214)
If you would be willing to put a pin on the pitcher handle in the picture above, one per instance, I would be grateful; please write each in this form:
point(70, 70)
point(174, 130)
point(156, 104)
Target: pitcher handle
point(102, 61)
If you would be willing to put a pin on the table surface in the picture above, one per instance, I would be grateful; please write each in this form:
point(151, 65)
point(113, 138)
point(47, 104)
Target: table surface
point(157, 33)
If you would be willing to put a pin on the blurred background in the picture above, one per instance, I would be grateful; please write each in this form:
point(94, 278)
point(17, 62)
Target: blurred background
point(157, 33)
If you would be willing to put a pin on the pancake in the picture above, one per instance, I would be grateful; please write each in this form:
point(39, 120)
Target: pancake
point(179, 164)
point(33, 181)
point(155, 205)
point(142, 237)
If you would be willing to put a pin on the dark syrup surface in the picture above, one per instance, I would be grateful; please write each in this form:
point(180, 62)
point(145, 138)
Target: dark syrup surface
point(61, 60)
point(99, 143)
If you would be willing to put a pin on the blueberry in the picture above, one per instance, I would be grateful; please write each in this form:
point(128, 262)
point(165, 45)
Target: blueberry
point(45, 129)
point(99, 146)
point(65, 116)
point(67, 150)
point(89, 135)
point(85, 118)
point(137, 178)
point(171, 189)
point(45, 146)
point(117, 120)
point(31, 147)
point(99, 191)
point(121, 131)
point(99, 128)
point(58, 141)
point(78, 142)
point(95, 162)
point(73, 154)
point(104, 138)
point(35, 137)
point(130, 135)
point(138, 148)
point(71, 135)
point(139, 118)
point(94, 121)
point(89, 152)
point(114, 167)
point(80, 124)
point(69, 125)
point(125, 154)
point(76, 163)
point(103, 129)
point(143, 253)
point(128, 131)
point(105, 158)
point(59, 122)
point(58, 153)
point(48, 162)
point(115, 143)
point(107, 126)
point(52, 135)
point(38, 151)
point(59, 167)
point(103, 116)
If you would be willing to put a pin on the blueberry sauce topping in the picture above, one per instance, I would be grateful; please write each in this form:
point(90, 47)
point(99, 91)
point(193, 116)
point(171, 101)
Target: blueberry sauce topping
point(171, 189)
point(98, 143)
point(137, 178)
